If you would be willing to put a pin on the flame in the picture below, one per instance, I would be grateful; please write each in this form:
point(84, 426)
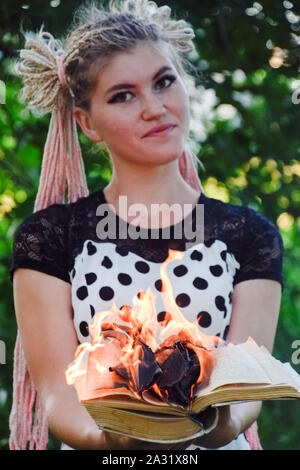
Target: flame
point(129, 348)
point(179, 322)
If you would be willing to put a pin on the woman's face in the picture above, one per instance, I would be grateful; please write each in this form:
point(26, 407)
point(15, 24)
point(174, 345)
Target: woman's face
point(139, 107)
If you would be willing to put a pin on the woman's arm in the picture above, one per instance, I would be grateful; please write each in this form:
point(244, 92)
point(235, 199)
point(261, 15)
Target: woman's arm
point(255, 310)
point(43, 311)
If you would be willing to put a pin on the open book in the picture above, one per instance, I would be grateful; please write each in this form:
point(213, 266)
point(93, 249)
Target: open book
point(244, 372)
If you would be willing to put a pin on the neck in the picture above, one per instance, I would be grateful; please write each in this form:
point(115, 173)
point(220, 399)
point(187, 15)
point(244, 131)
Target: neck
point(159, 185)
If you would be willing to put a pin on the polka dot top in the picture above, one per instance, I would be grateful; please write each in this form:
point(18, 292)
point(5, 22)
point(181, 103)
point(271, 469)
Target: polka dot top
point(63, 240)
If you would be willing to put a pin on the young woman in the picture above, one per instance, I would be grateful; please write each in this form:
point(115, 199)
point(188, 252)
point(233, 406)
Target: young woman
point(120, 76)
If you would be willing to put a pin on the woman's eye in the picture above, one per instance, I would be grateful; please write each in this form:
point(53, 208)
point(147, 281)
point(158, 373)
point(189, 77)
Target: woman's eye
point(121, 97)
point(166, 81)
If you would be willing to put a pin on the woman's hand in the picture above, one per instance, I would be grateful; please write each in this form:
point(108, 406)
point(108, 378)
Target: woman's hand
point(227, 428)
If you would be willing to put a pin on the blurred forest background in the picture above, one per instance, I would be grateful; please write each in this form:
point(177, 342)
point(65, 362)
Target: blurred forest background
point(245, 130)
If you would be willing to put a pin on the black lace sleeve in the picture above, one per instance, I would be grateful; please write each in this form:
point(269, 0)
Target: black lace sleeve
point(40, 243)
point(261, 252)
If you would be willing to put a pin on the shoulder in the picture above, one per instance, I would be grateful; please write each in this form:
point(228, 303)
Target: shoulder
point(252, 238)
point(52, 218)
point(42, 241)
point(244, 220)
point(57, 215)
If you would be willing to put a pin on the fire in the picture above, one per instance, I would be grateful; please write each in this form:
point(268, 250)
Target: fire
point(132, 352)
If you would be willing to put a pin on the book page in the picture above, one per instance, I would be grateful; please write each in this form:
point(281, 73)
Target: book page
point(278, 372)
point(234, 365)
point(247, 363)
point(293, 374)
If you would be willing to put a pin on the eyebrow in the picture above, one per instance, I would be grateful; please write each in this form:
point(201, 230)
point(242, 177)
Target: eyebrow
point(121, 86)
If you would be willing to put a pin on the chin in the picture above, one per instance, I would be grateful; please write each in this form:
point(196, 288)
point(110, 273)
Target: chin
point(163, 159)
point(165, 152)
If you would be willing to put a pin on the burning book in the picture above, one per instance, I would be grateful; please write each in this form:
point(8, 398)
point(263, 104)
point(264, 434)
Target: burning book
point(163, 381)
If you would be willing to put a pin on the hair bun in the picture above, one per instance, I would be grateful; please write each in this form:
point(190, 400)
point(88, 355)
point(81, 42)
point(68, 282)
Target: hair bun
point(41, 68)
point(175, 31)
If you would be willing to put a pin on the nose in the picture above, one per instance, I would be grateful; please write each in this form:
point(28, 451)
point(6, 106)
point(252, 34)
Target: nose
point(153, 107)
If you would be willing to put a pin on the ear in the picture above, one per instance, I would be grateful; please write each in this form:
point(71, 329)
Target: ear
point(85, 122)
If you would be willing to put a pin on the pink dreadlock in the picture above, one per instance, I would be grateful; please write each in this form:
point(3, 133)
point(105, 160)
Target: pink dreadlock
point(62, 164)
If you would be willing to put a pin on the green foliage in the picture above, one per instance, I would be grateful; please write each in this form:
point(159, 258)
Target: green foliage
point(250, 152)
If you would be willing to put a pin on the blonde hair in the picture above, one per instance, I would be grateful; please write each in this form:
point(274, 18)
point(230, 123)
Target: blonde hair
point(98, 35)
point(95, 35)
point(59, 75)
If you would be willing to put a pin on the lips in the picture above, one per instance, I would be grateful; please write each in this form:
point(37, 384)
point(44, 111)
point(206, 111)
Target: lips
point(160, 130)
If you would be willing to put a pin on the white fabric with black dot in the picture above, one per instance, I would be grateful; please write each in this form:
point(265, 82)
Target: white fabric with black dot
point(201, 282)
